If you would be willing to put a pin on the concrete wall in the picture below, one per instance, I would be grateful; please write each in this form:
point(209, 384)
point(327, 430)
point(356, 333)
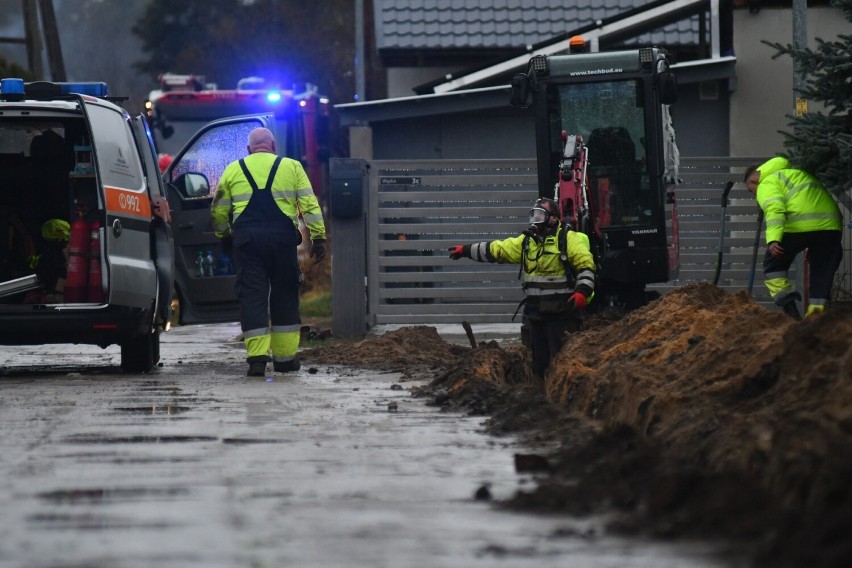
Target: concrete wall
point(497, 134)
point(402, 80)
point(700, 118)
point(764, 93)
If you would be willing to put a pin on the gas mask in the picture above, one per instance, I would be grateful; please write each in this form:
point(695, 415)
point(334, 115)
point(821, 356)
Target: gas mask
point(540, 225)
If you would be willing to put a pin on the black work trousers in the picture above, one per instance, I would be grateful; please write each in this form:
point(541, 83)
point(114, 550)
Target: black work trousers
point(268, 278)
point(824, 255)
point(546, 335)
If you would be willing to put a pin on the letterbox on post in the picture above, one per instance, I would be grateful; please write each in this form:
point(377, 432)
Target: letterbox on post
point(346, 198)
point(347, 207)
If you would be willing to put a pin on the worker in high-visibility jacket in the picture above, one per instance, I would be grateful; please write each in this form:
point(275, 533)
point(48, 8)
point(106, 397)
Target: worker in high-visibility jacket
point(557, 277)
point(800, 214)
point(257, 204)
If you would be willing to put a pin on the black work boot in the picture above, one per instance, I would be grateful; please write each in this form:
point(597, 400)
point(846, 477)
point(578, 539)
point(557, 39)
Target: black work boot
point(790, 308)
point(287, 366)
point(257, 366)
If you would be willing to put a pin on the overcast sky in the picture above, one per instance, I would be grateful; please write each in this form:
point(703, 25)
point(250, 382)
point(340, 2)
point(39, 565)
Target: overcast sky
point(103, 54)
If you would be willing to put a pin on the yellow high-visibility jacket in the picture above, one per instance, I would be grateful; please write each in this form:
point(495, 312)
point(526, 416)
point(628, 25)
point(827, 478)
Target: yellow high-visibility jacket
point(291, 190)
point(794, 201)
point(543, 269)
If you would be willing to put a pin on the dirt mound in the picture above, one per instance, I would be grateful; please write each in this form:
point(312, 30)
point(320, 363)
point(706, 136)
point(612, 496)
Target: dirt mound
point(741, 418)
point(701, 414)
point(408, 350)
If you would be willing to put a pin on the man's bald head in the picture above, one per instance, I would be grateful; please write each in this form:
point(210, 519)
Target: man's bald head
point(261, 140)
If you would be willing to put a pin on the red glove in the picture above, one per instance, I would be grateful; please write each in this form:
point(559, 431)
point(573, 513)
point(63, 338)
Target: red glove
point(457, 252)
point(577, 301)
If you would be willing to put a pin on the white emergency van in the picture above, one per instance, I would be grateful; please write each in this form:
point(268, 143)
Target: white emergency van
point(87, 251)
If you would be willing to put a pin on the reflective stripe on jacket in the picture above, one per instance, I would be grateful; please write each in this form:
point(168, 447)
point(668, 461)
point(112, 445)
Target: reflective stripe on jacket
point(794, 201)
point(291, 190)
point(543, 271)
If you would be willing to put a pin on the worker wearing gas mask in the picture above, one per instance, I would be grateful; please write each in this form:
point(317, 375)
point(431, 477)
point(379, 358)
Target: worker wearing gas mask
point(800, 214)
point(557, 275)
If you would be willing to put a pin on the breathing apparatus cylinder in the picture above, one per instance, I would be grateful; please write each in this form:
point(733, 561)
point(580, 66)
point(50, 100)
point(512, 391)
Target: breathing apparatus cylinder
point(77, 269)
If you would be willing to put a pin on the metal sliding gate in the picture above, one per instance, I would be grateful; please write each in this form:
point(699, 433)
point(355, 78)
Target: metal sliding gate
point(414, 211)
point(417, 212)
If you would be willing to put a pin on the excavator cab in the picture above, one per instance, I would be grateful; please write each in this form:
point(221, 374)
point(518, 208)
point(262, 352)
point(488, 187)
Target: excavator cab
point(605, 151)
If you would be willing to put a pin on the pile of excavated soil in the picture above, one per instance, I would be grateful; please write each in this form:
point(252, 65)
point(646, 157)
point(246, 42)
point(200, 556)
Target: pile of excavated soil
point(702, 414)
point(414, 351)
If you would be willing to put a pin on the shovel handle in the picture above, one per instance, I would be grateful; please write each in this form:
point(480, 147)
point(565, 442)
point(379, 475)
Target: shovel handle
point(725, 193)
point(469, 332)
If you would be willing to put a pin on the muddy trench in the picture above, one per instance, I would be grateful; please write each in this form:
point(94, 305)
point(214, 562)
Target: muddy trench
point(701, 415)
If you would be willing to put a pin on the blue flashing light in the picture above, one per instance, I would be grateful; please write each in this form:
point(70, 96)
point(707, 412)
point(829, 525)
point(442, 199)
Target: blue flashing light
point(95, 89)
point(48, 89)
point(12, 86)
point(273, 96)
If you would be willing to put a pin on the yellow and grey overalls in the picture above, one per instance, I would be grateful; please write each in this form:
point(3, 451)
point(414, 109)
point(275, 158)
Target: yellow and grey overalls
point(548, 276)
point(264, 224)
point(800, 214)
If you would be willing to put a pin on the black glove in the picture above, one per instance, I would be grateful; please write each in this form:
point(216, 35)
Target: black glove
point(228, 245)
point(460, 251)
point(317, 250)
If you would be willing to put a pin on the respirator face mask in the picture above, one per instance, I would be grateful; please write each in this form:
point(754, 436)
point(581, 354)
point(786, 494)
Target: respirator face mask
point(539, 219)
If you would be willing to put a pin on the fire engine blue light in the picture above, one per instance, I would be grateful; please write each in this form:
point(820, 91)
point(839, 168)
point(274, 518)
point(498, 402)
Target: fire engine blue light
point(273, 96)
point(93, 89)
point(12, 86)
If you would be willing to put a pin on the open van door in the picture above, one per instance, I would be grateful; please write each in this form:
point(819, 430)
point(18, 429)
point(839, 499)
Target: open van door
point(204, 275)
point(161, 223)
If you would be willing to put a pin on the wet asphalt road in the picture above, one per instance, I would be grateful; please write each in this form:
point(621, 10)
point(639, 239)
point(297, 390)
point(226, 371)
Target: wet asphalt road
point(196, 465)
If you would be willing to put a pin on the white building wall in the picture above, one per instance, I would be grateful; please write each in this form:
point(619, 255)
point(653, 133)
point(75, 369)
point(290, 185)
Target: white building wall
point(764, 93)
point(402, 80)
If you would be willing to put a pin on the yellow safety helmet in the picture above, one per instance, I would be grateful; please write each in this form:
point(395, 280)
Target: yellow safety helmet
point(56, 230)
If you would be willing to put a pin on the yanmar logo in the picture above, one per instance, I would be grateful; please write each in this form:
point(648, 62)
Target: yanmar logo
point(643, 232)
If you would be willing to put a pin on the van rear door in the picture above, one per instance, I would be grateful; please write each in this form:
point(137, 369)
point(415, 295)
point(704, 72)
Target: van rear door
point(205, 293)
point(124, 205)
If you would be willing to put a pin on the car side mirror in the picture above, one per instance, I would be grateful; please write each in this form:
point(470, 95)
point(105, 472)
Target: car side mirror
point(667, 84)
point(192, 185)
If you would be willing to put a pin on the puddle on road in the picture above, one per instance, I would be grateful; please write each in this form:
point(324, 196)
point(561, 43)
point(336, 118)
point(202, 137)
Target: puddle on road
point(89, 496)
point(96, 439)
point(91, 522)
point(153, 410)
point(249, 441)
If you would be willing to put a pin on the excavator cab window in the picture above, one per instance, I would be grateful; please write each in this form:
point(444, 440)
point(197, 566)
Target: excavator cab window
point(610, 116)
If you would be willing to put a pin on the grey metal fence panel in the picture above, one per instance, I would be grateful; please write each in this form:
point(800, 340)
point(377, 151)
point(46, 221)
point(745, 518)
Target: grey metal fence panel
point(419, 209)
point(699, 207)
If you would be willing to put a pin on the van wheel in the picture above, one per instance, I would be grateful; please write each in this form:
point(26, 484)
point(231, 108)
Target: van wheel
point(140, 353)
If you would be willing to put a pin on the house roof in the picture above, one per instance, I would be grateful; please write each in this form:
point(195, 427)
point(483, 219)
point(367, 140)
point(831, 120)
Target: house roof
point(505, 24)
point(629, 24)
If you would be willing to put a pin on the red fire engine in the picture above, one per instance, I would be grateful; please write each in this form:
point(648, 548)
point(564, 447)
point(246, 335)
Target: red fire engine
point(184, 103)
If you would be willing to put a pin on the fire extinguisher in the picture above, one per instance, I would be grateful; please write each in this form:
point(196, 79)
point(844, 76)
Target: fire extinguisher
point(77, 271)
point(96, 290)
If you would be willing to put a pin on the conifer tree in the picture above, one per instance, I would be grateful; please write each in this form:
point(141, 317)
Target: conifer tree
point(8, 69)
point(821, 142)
